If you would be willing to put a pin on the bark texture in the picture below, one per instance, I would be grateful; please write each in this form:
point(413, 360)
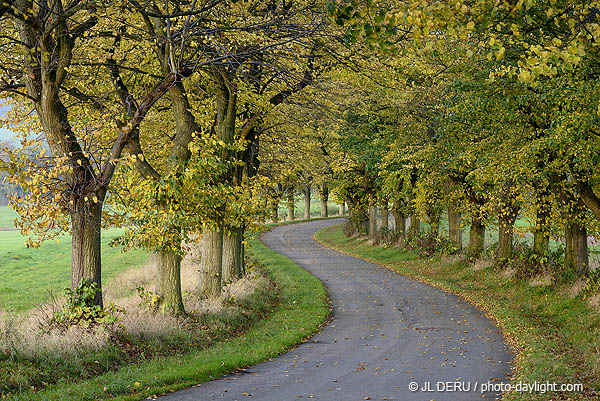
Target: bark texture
point(415, 224)
point(505, 238)
point(85, 248)
point(454, 230)
point(576, 250)
point(232, 255)
point(211, 264)
point(324, 197)
point(476, 238)
point(399, 219)
point(306, 193)
point(290, 206)
point(541, 233)
point(385, 213)
point(169, 282)
point(372, 228)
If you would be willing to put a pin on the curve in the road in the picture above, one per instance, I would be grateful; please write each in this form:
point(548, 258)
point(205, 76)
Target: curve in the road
point(387, 332)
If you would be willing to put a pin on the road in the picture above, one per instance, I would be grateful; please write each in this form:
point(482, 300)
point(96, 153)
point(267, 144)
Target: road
point(387, 332)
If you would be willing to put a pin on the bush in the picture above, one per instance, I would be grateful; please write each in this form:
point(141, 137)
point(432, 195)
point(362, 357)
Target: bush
point(528, 264)
point(80, 308)
point(150, 301)
point(428, 244)
point(592, 284)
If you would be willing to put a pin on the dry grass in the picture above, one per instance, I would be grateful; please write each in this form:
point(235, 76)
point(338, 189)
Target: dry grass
point(541, 280)
point(482, 264)
point(26, 336)
point(508, 272)
point(576, 288)
point(594, 301)
point(452, 259)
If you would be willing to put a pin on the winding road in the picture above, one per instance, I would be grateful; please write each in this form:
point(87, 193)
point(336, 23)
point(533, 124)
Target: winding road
point(387, 332)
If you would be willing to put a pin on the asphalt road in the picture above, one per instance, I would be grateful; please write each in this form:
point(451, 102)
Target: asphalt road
point(387, 332)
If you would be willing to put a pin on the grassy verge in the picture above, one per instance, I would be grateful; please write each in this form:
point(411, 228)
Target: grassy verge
point(302, 308)
point(556, 334)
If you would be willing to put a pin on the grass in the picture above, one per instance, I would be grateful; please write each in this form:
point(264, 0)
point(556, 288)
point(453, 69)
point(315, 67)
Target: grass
point(302, 308)
point(556, 335)
point(315, 208)
point(27, 276)
point(7, 217)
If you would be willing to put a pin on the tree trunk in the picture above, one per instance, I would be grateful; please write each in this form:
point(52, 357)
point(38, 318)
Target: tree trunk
point(342, 209)
point(169, 282)
point(372, 230)
point(434, 222)
point(454, 230)
point(576, 251)
point(232, 255)
point(541, 234)
point(211, 263)
point(85, 249)
point(415, 224)
point(275, 211)
point(505, 238)
point(241, 265)
point(541, 243)
point(290, 205)
point(399, 219)
point(385, 213)
point(307, 202)
point(324, 195)
point(476, 238)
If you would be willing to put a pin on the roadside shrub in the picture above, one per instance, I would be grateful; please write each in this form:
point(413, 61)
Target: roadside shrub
point(527, 264)
point(150, 301)
point(349, 229)
point(428, 244)
point(592, 284)
point(80, 309)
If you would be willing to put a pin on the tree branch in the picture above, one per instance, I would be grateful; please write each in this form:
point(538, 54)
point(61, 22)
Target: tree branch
point(590, 199)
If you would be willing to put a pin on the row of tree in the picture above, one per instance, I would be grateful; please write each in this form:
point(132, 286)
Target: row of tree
point(481, 111)
point(151, 114)
point(173, 118)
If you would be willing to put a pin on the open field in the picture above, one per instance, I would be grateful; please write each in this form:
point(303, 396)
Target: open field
point(315, 208)
point(28, 276)
point(7, 217)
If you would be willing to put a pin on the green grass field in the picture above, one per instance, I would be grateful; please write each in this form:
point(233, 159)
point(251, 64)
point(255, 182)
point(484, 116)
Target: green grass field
point(315, 208)
point(7, 217)
point(29, 276)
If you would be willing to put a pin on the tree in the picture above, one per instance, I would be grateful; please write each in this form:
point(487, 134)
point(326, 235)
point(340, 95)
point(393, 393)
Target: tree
point(51, 41)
